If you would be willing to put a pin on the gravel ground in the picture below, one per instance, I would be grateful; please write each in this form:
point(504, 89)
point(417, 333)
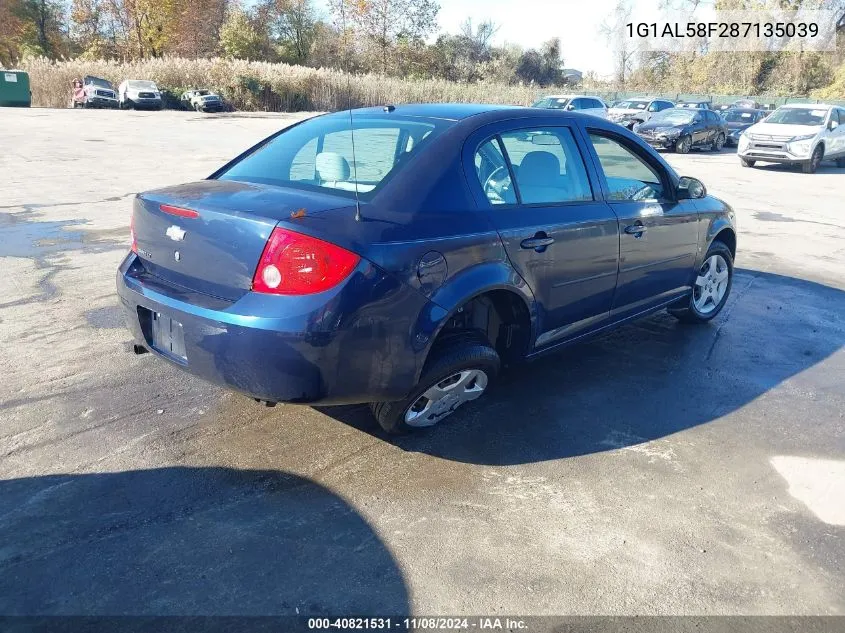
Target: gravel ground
point(660, 469)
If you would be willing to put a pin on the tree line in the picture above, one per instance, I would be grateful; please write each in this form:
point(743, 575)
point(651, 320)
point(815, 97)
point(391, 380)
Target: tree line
point(390, 37)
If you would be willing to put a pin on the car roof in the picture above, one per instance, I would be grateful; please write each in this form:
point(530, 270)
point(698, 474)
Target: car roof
point(447, 111)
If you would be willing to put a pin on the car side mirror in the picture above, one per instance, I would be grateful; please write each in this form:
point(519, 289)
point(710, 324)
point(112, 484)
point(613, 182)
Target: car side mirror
point(570, 107)
point(833, 125)
point(690, 188)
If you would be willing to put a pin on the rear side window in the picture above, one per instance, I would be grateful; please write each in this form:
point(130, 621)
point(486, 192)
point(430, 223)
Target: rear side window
point(547, 165)
point(318, 154)
point(628, 176)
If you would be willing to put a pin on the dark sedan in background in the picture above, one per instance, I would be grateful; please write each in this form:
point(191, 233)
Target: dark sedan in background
point(682, 129)
point(740, 119)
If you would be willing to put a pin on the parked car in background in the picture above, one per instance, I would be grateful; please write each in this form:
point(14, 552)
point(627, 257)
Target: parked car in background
point(698, 105)
point(202, 101)
point(748, 104)
point(573, 103)
point(629, 112)
point(682, 129)
point(273, 277)
point(139, 93)
point(93, 92)
point(740, 119)
point(796, 134)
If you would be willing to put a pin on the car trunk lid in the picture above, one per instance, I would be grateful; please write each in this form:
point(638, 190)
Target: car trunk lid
point(208, 236)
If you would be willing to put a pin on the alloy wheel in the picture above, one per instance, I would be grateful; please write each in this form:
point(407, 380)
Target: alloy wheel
point(441, 399)
point(711, 284)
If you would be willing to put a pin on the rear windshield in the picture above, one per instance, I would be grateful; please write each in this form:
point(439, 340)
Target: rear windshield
point(318, 154)
point(739, 116)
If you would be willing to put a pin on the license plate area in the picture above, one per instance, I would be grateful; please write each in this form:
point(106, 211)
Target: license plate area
point(165, 334)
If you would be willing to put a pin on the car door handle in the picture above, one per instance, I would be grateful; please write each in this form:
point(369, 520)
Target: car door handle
point(635, 229)
point(537, 242)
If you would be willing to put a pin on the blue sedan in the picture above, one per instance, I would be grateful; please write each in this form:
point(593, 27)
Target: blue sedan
point(406, 269)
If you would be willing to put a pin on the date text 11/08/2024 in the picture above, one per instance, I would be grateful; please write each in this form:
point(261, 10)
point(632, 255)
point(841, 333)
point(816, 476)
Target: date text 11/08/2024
point(418, 624)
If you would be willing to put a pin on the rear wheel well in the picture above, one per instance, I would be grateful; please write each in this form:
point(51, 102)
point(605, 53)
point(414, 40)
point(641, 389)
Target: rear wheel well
point(728, 238)
point(499, 317)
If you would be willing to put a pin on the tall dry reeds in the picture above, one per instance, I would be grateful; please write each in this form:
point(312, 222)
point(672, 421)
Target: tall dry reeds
point(262, 86)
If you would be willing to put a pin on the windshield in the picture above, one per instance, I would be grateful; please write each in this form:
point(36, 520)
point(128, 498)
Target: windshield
point(318, 154)
point(100, 83)
point(555, 103)
point(631, 105)
point(798, 116)
point(739, 116)
point(140, 84)
point(674, 117)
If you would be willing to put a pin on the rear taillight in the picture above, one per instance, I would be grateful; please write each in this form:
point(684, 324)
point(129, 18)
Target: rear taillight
point(132, 233)
point(297, 264)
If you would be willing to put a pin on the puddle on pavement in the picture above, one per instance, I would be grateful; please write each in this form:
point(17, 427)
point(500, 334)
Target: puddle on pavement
point(20, 237)
point(768, 216)
point(32, 239)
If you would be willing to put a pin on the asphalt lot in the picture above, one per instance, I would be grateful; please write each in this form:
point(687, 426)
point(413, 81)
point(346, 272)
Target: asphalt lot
point(662, 469)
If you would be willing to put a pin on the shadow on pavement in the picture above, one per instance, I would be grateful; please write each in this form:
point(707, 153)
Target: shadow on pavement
point(644, 381)
point(189, 541)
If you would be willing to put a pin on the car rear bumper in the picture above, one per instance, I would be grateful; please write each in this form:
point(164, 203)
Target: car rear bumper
point(339, 347)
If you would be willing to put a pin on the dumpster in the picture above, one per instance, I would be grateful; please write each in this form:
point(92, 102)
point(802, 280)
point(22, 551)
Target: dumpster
point(14, 88)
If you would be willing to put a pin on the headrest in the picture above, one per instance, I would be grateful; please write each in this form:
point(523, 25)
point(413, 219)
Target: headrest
point(332, 167)
point(539, 168)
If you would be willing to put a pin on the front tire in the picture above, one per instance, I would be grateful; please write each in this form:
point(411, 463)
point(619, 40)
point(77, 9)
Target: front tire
point(458, 371)
point(746, 162)
point(810, 166)
point(719, 143)
point(683, 145)
point(711, 287)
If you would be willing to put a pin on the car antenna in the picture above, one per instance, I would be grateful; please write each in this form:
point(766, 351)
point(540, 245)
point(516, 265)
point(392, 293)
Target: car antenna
point(351, 123)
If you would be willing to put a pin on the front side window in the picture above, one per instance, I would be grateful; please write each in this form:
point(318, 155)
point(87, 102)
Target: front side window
point(628, 176)
point(547, 165)
point(318, 154)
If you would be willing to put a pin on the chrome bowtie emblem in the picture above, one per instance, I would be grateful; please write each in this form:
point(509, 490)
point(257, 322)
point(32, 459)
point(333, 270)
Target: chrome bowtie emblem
point(175, 233)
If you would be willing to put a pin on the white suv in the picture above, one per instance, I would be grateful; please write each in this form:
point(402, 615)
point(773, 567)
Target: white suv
point(573, 103)
point(800, 134)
